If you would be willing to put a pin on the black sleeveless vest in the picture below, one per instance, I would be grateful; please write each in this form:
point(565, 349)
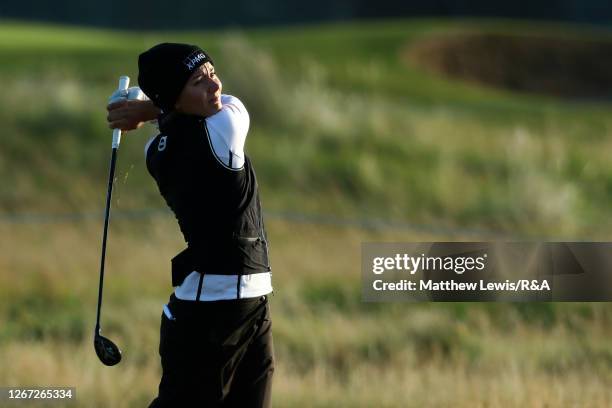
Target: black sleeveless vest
point(217, 207)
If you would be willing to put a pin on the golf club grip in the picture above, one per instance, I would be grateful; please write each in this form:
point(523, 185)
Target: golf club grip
point(124, 83)
point(109, 194)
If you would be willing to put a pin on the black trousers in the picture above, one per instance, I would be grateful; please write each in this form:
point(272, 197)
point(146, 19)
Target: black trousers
point(216, 354)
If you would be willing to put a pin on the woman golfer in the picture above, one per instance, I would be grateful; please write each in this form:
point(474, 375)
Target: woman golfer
point(215, 338)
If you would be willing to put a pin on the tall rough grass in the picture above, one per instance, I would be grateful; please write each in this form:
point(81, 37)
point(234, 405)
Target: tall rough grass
point(332, 350)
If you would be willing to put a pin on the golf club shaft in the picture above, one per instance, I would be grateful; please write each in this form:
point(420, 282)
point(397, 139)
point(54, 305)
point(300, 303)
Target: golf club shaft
point(109, 194)
point(124, 82)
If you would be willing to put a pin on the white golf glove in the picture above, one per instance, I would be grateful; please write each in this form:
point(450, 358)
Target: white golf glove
point(131, 93)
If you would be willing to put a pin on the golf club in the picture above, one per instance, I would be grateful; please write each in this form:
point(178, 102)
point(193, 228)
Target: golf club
point(107, 351)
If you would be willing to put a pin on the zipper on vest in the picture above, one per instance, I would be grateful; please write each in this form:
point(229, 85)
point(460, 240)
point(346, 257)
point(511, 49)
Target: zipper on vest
point(248, 239)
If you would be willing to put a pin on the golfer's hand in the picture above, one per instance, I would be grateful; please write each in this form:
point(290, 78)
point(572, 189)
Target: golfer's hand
point(127, 114)
point(128, 109)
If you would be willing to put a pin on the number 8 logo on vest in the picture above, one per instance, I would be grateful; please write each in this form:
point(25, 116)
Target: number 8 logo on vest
point(162, 143)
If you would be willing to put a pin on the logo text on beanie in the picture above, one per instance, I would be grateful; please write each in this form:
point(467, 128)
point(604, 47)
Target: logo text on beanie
point(193, 59)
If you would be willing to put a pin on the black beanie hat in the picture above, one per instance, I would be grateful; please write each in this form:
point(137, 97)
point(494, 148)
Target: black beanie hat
point(164, 69)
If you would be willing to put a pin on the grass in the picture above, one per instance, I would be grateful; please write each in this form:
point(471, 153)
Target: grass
point(342, 126)
point(353, 354)
point(428, 150)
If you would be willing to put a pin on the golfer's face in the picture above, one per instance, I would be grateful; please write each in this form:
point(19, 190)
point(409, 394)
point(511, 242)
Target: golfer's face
point(202, 93)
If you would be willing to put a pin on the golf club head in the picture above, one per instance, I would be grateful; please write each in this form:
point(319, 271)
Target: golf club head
point(107, 351)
